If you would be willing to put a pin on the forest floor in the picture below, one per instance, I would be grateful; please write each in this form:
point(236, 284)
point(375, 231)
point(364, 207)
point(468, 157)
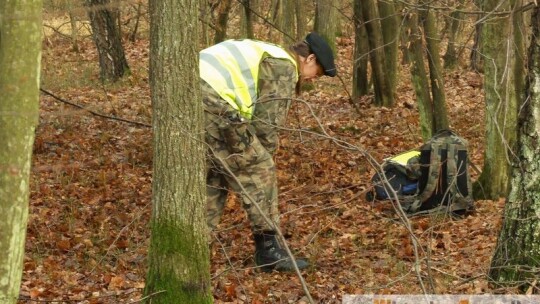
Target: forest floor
point(88, 230)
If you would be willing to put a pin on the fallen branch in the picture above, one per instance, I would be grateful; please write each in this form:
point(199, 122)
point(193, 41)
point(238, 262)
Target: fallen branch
point(141, 124)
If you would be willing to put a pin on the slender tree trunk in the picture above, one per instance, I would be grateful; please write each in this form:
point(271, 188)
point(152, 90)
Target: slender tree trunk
point(419, 76)
point(300, 20)
point(20, 59)
point(517, 255)
point(361, 50)
point(112, 59)
point(224, 8)
point(204, 14)
point(450, 56)
point(133, 34)
point(326, 21)
point(247, 21)
point(502, 48)
point(440, 116)
point(178, 254)
point(477, 61)
point(370, 15)
point(390, 32)
point(74, 28)
point(288, 16)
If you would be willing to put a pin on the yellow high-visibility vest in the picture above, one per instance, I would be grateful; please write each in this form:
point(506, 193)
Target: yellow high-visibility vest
point(231, 68)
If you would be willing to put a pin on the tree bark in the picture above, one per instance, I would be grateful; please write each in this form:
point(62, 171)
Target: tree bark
point(361, 50)
point(178, 254)
point(107, 37)
point(73, 19)
point(503, 70)
point(247, 21)
point(224, 7)
point(300, 20)
point(370, 15)
point(419, 77)
point(450, 56)
point(440, 116)
point(517, 255)
point(20, 59)
point(477, 62)
point(288, 15)
point(326, 21)
point(390, 33)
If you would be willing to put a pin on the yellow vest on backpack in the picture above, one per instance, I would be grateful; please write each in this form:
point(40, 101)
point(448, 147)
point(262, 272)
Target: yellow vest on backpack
point(231, 68)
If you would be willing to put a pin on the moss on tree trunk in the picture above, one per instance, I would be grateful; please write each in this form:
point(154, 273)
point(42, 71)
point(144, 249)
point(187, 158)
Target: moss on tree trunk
point(503, 65)
point(517, 256)
point(179, 263)
point(20, 59)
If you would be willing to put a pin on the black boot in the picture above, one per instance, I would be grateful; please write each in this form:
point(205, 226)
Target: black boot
point(269, 255)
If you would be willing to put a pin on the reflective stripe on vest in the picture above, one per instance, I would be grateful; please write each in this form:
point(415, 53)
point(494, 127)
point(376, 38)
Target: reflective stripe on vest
point(231, 68)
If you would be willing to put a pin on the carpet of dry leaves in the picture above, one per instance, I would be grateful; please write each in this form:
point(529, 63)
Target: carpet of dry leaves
point(90, 202)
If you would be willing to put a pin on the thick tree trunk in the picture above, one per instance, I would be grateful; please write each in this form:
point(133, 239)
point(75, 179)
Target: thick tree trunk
point(20, 59)
point(107, 37)
point(178, 255)
point(517, 255)
point(440, 116)
point(361, 50)
point(370, 15)
point(419, 76)
point(502, 48)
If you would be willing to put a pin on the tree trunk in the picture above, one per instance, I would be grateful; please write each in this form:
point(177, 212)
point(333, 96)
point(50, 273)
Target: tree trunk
point(361, 50)
point(73, 19)
point(112, 59)
point(419, 76)
point(450, 56)
point(247, 21)
point(326, 21)
point(288, 15)
point(517, 255)
point(178, 255)
point(440, 116)
point(477, 61)
point(390, 32)
point(370, 15)
point(503, 51)
point(206, 20)
point(138, 16)
point(300, 20)
point(224, 7)
point(20, 59)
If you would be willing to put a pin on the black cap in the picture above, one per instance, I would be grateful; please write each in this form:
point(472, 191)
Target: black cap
point(323, 52)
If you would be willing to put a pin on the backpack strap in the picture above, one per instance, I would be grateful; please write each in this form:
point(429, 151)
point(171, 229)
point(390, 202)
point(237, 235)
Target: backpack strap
point(451, 168)
point(433, 175)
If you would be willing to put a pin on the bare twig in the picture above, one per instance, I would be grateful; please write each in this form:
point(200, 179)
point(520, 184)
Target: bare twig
point(141, 124)
point(149, 296)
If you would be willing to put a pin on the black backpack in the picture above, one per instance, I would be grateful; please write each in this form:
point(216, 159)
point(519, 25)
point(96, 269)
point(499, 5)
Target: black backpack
point(445, 182)
point(434, 179)
point(401, 172)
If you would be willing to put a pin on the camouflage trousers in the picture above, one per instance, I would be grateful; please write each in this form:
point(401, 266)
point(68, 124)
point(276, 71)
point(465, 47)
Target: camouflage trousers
point(240, 151)
point(237, 161)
